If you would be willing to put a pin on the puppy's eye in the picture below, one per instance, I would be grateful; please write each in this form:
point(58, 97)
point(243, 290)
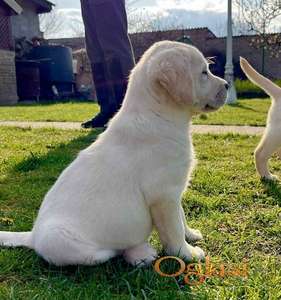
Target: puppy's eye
point(205, 75)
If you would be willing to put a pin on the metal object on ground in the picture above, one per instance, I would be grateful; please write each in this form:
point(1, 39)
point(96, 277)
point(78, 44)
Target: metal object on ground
point(231, 95)
point(56, 69)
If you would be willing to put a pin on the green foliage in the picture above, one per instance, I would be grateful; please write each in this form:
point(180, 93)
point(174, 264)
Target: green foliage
point(246, 89)
point(238, 215)
point(243, 112)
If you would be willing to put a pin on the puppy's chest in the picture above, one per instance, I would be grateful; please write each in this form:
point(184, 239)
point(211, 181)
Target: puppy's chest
point(166, 174)
point(174, 157)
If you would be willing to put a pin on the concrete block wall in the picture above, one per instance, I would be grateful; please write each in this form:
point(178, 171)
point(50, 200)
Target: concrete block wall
point(8, 82)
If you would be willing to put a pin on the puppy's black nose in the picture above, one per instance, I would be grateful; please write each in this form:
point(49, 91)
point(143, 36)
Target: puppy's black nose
point(226, 86)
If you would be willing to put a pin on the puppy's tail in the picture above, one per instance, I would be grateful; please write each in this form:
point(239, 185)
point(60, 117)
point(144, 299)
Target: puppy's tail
point(267, 85)
point(16, 239)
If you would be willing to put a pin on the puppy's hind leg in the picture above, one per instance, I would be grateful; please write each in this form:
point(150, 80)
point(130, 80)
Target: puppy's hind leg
point(268, 145)
point(140, 255)
point(62, 246)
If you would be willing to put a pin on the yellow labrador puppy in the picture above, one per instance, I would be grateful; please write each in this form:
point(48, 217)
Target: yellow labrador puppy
point(271, 140)
point(109, 198)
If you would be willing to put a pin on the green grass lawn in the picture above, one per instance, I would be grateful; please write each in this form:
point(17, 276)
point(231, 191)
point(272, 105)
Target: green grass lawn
point(244, 112)
point(64, 112)
point(239, 216)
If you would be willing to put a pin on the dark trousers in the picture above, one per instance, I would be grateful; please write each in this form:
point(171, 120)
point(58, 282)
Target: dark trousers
point(109, 50)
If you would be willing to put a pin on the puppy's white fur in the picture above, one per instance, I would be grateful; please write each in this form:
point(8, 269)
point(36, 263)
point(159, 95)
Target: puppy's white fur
point(271, 140)
point(131, 179)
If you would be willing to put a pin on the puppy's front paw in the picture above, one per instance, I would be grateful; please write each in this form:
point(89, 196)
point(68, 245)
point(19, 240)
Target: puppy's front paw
point(189, 253)
point(140, 255)
point(270, 177)
point(198, 254)
point(193, 235)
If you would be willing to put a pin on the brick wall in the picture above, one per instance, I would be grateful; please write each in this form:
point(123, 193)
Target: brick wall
point(242, 47)
point(8, 85)
point(143, 40)
point(5, 28)
point(204, 40)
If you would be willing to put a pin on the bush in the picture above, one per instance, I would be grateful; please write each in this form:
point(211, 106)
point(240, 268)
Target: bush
point(246, 89)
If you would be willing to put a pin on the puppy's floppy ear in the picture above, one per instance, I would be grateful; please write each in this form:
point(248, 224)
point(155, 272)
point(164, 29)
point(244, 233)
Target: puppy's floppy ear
point(162, 71)
point(169, 71)
point(166, 75)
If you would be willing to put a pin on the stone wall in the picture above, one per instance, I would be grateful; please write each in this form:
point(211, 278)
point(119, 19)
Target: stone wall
point(8, 83)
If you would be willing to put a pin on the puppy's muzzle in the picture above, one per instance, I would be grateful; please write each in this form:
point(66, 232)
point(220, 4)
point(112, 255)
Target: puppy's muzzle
point(219, 101)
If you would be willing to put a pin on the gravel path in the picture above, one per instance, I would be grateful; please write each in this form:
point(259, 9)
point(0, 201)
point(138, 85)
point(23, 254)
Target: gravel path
point(218, 129)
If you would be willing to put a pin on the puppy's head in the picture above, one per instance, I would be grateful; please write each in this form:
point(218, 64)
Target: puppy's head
point(180, 73)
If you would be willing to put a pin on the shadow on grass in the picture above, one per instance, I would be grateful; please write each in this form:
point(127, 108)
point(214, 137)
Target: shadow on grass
point(58, 157)
point(27, 181)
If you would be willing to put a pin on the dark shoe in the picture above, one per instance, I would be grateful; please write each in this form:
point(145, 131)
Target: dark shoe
point(87, 124)
point(99, 121)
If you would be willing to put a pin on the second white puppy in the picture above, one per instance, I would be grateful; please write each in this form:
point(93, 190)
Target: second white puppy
point(271, 140)
point(131, 179)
